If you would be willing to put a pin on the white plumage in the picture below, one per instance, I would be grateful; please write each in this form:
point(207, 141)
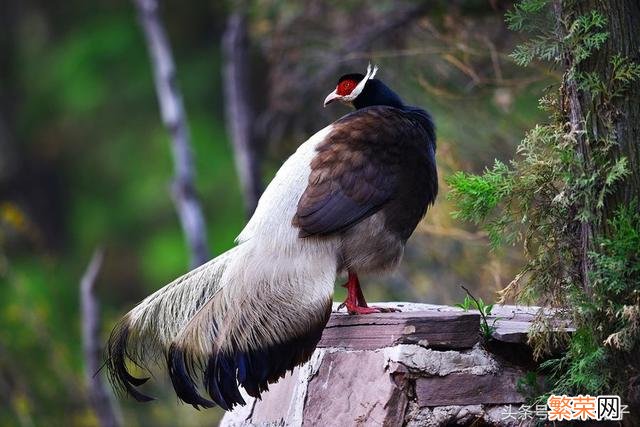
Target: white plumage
point(270, 270)
point(346, 200)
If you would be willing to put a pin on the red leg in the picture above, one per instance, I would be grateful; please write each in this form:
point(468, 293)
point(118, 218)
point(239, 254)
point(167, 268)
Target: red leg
point(355, 302)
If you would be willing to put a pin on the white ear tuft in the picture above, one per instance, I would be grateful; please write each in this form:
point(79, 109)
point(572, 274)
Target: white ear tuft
point(371, 73)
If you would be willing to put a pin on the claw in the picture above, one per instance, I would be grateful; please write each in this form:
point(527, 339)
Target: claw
point(354, 309)
point(355, 302)
point(389, 309)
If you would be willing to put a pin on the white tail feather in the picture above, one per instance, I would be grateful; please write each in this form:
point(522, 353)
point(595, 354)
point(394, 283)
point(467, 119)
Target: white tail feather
point(156, 321)
point(253, 312)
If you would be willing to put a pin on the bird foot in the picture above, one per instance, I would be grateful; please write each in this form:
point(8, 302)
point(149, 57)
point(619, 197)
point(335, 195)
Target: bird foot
point(357, 309)
point(355, 302)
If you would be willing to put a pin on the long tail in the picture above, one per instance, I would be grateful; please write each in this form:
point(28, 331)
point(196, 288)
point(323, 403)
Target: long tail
point(242, 319)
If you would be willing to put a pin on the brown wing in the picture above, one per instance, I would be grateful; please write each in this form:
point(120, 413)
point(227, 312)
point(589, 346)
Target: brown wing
point(357, 170)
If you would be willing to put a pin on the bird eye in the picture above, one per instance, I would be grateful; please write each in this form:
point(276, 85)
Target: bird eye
point(345, 87)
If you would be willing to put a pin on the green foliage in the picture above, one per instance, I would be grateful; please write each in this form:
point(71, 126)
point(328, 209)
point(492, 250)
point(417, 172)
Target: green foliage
point(609, 319)
point(583, 367)
point(86, 112)
point(477, 196)
point(616, 280)
point(80, 94)
point(623, 73)
point(486, 329)
point(530, 387)
point(551, 193)
point(585, 35)
point(529, 15)
point(466, 304)
point(541, 48)
point(472, 303)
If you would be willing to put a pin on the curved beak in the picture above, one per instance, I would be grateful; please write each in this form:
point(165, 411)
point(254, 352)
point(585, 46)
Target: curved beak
point(330, 98)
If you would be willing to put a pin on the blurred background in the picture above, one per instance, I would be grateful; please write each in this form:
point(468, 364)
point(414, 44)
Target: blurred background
point(86, 161)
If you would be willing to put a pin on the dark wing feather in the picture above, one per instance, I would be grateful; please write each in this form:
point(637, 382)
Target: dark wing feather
point(337, 212)
point(356, 171)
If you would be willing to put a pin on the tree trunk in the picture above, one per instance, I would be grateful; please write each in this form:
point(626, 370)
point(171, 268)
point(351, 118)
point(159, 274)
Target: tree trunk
point(607, 117)
point(623, 21)
point(623, 24)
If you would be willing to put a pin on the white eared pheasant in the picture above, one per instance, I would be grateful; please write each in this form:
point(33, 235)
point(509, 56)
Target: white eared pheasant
point(345, 202)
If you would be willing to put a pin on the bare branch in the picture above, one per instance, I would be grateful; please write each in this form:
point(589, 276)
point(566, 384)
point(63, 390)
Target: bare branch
point(239, 114)
point(99, 396)
point(287, 100)
point(175, 120)
point(363, 40)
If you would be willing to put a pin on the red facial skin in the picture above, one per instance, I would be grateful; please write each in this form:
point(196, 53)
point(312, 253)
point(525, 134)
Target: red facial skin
point(346, 87)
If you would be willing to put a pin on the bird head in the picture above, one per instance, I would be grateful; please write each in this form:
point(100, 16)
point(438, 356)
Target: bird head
point(363, 90)
point(350, 86)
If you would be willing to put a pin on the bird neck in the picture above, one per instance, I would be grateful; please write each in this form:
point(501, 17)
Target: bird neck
point(377, 93)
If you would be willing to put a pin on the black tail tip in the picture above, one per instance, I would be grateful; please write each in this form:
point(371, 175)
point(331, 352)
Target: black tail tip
point(117, 354)
point(181, 374)
point(225, 371)
point(221, 381)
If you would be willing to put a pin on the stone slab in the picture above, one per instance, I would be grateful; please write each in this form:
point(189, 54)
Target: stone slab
point(432, 328)
point(512, 322)
point(469, 389)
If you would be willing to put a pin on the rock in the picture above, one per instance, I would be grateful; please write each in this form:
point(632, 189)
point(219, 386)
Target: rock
point(359, 394)
point(469, 389)
point(427, 362)
point(431, 328)
point(421, 367)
